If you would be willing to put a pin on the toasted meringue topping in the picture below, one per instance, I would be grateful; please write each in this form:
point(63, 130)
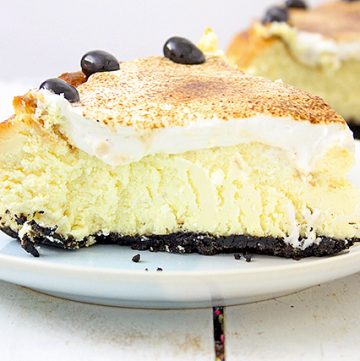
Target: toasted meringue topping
point(158, 93)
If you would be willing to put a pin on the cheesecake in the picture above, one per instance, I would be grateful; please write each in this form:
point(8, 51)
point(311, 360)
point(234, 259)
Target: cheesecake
point(181, 153)
point(316, 49)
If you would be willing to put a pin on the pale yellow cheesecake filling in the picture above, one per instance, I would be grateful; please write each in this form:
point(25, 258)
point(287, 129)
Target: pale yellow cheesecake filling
point(249, 189)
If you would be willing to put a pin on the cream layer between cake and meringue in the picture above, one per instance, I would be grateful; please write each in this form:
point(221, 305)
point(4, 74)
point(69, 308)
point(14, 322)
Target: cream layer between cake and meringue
point(303, 142)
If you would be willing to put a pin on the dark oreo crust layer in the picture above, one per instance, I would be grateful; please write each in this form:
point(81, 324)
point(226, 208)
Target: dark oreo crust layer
point(355, 128)
point(211, 245)
point(180, 243)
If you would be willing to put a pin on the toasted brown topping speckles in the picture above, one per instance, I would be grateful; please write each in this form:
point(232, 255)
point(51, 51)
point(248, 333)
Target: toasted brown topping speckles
point(155, 92)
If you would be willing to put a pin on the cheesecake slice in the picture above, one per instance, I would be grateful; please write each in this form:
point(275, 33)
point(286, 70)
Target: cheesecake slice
point(315, 49)
point(180, 158)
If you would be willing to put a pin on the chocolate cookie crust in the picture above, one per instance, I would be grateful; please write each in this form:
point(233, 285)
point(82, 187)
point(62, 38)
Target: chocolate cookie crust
point(204, 244)
point(355, 128)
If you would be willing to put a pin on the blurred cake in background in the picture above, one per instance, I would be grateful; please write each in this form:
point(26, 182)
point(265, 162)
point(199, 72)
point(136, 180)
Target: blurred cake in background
point(316, 49)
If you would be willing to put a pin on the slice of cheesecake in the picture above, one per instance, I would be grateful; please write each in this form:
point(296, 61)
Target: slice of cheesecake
point(315, 49)
point(180, 158)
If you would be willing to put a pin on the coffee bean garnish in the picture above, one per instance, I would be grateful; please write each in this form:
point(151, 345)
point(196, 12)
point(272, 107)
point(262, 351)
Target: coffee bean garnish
point(296, 4)
point(183, 51)
point(96, 61)
point(59, 86)
point(276, 14)
point(237, 256)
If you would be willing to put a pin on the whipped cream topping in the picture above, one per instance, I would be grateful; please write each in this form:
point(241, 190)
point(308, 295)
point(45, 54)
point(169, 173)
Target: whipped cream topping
point(313, 48)
point(303, 142)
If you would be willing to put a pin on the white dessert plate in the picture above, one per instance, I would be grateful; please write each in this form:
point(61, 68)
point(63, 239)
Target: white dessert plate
point(106, 275)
